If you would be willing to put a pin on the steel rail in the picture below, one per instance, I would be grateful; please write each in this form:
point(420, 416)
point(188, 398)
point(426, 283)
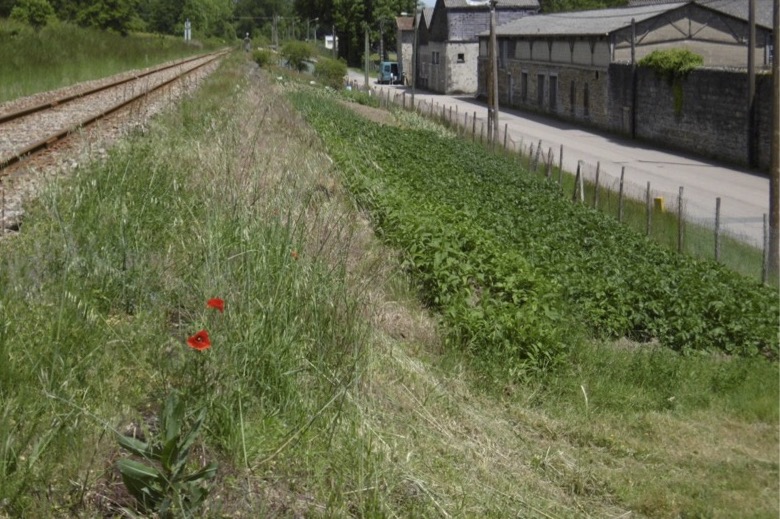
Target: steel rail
point(51, 104)
point(59, 135)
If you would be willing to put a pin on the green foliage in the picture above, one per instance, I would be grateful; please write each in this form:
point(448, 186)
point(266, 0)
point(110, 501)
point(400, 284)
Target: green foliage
point(113, 15)
point(263, 57)
point(330, 72)
point(296, 53)
point(361, 97)
point(162, 483)
point(62, 53)
point(672, 63)
point(37, 13)
point(609, 279)
point(553, 6)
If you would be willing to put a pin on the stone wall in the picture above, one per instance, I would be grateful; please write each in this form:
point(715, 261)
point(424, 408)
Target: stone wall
point(706, 114)
point(579, 93)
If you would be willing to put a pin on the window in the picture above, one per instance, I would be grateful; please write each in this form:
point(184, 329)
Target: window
point(435, 57)
point(524, 86)
point(553, 93)
point(540, 89)
point(503, 50)
point(461, 58)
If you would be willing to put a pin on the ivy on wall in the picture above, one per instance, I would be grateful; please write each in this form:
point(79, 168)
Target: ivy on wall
point(674, 65)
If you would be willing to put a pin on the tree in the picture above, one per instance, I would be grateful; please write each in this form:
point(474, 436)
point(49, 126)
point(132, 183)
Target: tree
point(37, 13)
point(554, 6)
point(116, 15)
point(5, 8)
point(296, 53)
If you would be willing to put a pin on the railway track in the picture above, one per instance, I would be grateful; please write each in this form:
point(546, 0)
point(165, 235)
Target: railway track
point(32, 129)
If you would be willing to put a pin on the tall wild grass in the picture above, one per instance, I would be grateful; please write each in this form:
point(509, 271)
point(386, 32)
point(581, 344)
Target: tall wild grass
point(61, 54)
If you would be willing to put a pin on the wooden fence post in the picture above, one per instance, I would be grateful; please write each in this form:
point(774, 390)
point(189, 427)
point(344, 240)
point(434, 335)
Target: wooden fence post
point(649, 210)
point(620, 194)
point(536, 157)
point(680, 223)
point(596, 187)
point(549, 163)
point(717, 229)
point(576, 181)
point(765, 259)
point(506, 127)
point(474, 126)
point(560, 167)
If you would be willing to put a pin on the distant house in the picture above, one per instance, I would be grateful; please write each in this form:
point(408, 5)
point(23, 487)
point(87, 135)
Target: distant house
point(569, 64)
point(448, 48)
point(404, 38)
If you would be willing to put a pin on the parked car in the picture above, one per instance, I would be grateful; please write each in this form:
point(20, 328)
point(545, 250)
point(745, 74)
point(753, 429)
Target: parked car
point(389, 74)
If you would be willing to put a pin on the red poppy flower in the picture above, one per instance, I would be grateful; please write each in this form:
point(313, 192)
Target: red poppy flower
point(217, 303)
point(200, 341)
point(294, 255)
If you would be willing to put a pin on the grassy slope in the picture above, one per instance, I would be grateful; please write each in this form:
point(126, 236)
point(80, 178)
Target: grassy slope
point(331, 393)
point(60, 55)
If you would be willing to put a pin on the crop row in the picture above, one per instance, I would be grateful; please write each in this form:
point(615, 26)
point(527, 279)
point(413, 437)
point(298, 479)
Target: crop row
point(524, 258)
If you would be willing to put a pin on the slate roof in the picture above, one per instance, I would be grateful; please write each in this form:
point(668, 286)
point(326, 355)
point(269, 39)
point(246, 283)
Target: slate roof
point(428, 15)
point(582, 23)
point(463, 4)
point(736, 8)
point(404, 23)
point(739, 10)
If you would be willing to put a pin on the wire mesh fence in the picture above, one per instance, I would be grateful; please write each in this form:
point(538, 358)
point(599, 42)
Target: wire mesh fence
point(713, 231)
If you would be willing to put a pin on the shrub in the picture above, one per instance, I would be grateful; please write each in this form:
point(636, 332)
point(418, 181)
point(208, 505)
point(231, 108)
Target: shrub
point(296, 53)
point(672, 63)
point(37, 13)
point(263, 57)
point(331, 72)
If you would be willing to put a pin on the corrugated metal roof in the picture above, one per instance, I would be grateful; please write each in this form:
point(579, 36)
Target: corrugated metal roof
point(583, 23)
point(462, 4)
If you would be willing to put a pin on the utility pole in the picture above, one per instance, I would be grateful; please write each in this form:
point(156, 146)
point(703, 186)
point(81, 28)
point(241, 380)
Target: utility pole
point(774, 168)
point(751, 100)
point(417, 21)
point(492, 75)
point(365, 54)
point(493, 94)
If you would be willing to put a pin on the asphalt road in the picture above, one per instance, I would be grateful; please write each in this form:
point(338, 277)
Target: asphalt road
point(744, 195)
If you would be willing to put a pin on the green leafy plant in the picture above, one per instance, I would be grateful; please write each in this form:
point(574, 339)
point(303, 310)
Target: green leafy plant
point(673, 65)
point(507, 260)
point(162, 483)
point(296, 53)
point(331, 72)
point(263, 57)
point(37, 13)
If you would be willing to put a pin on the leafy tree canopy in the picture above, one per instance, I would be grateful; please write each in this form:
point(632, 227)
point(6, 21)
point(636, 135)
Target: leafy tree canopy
point(554, 6)
point(36, 13)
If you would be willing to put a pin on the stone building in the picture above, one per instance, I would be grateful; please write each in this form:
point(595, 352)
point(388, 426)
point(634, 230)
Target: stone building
point(404, 40)
point(449, 46)
point(564, 64)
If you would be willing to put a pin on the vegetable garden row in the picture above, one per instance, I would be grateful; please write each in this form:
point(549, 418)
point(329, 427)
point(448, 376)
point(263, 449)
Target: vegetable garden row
point(515, 270)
